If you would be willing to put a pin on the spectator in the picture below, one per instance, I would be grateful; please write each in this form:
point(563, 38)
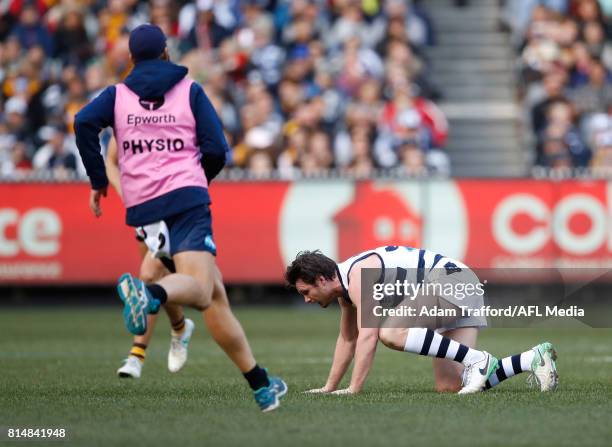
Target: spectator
point(569, 107)
point(207, 33)
point(596, 95)
point(284, 76)
point(583, 60)
point(602, 157)
point(58, 155)
point(26, 78)
point(553, 86)
point(113, 20)
point(319, 147)
point(556, 154)
point(415, 18)
point(407, 127)
point(15, 119)
point(350, 26)
point(432, 121)
point(317, 158)
point(333, 102)
point(296, 144)
point(412, 158)
point(19, 164)
point(594, 37)
point(260, 164)
point(30, 32)
point(72, 44)
point(267, 57)
point(226, 111)
point(75, 98)
point(561, 137)
point(353, 148)
point(595, 126)
point(299, 69)
point(541, 49)
point(585, 11)
point(357, 65)
point(518, 14)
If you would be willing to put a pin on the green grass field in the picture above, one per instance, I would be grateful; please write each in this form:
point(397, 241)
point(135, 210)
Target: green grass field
point(57, 369)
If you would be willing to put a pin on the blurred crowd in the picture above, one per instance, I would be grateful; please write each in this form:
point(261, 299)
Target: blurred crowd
point(565, 49)
point(301, 86)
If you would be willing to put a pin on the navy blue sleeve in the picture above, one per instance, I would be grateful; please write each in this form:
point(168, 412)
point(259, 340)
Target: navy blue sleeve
point(209, 130)
point(88, 123)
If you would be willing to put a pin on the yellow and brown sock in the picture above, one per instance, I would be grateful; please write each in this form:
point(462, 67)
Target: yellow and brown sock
point(139, 351)
point(178, 326)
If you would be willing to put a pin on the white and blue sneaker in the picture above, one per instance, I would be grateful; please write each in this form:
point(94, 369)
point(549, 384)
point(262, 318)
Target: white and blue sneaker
point(177, 355)
point(137, 303)
point(278, 385)
point(268, 398)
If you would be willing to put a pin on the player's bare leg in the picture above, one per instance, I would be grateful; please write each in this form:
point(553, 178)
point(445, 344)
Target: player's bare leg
point(199, 265)
point(180, 336)
point(229, 335)
point(184, 290)
point(192, 286)
point(132, 365)
point(143, 250)
point(447, 373)
point(151, 269)
point(226, 329)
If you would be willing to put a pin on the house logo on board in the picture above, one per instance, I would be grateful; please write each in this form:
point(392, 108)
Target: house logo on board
point(376, 217)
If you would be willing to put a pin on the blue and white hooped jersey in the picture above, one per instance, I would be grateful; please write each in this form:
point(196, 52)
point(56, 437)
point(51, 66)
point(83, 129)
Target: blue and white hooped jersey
point(416, 263)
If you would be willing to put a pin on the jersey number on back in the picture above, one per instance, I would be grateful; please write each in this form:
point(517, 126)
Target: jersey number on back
point(451, 268)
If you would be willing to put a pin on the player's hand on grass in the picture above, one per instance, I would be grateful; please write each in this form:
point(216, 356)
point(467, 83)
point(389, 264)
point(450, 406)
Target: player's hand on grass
point(343, 392)
point(94, 200)
point(322, 390)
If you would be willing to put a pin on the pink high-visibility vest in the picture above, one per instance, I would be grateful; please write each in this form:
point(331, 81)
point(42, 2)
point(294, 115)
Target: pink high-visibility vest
point(156, 144)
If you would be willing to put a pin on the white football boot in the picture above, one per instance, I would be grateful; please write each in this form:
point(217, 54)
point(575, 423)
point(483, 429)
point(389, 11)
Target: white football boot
point(475, 375)
point(132, 367)
point(177, 355)
point(543, 368)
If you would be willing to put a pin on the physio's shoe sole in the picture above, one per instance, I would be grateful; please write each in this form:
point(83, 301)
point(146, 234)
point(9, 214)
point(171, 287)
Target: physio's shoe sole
point(134, 316)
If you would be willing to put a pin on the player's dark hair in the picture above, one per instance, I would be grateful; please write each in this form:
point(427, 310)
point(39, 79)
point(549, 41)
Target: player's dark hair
point(308, 266)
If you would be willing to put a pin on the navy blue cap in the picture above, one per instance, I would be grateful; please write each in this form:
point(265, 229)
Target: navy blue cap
point(147, 42)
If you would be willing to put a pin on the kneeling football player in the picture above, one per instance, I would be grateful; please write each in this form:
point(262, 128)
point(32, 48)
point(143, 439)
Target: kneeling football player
point(458, 365)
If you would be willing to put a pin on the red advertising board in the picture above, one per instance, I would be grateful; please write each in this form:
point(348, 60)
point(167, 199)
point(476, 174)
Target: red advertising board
point(538, 224)
point(49, 236)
